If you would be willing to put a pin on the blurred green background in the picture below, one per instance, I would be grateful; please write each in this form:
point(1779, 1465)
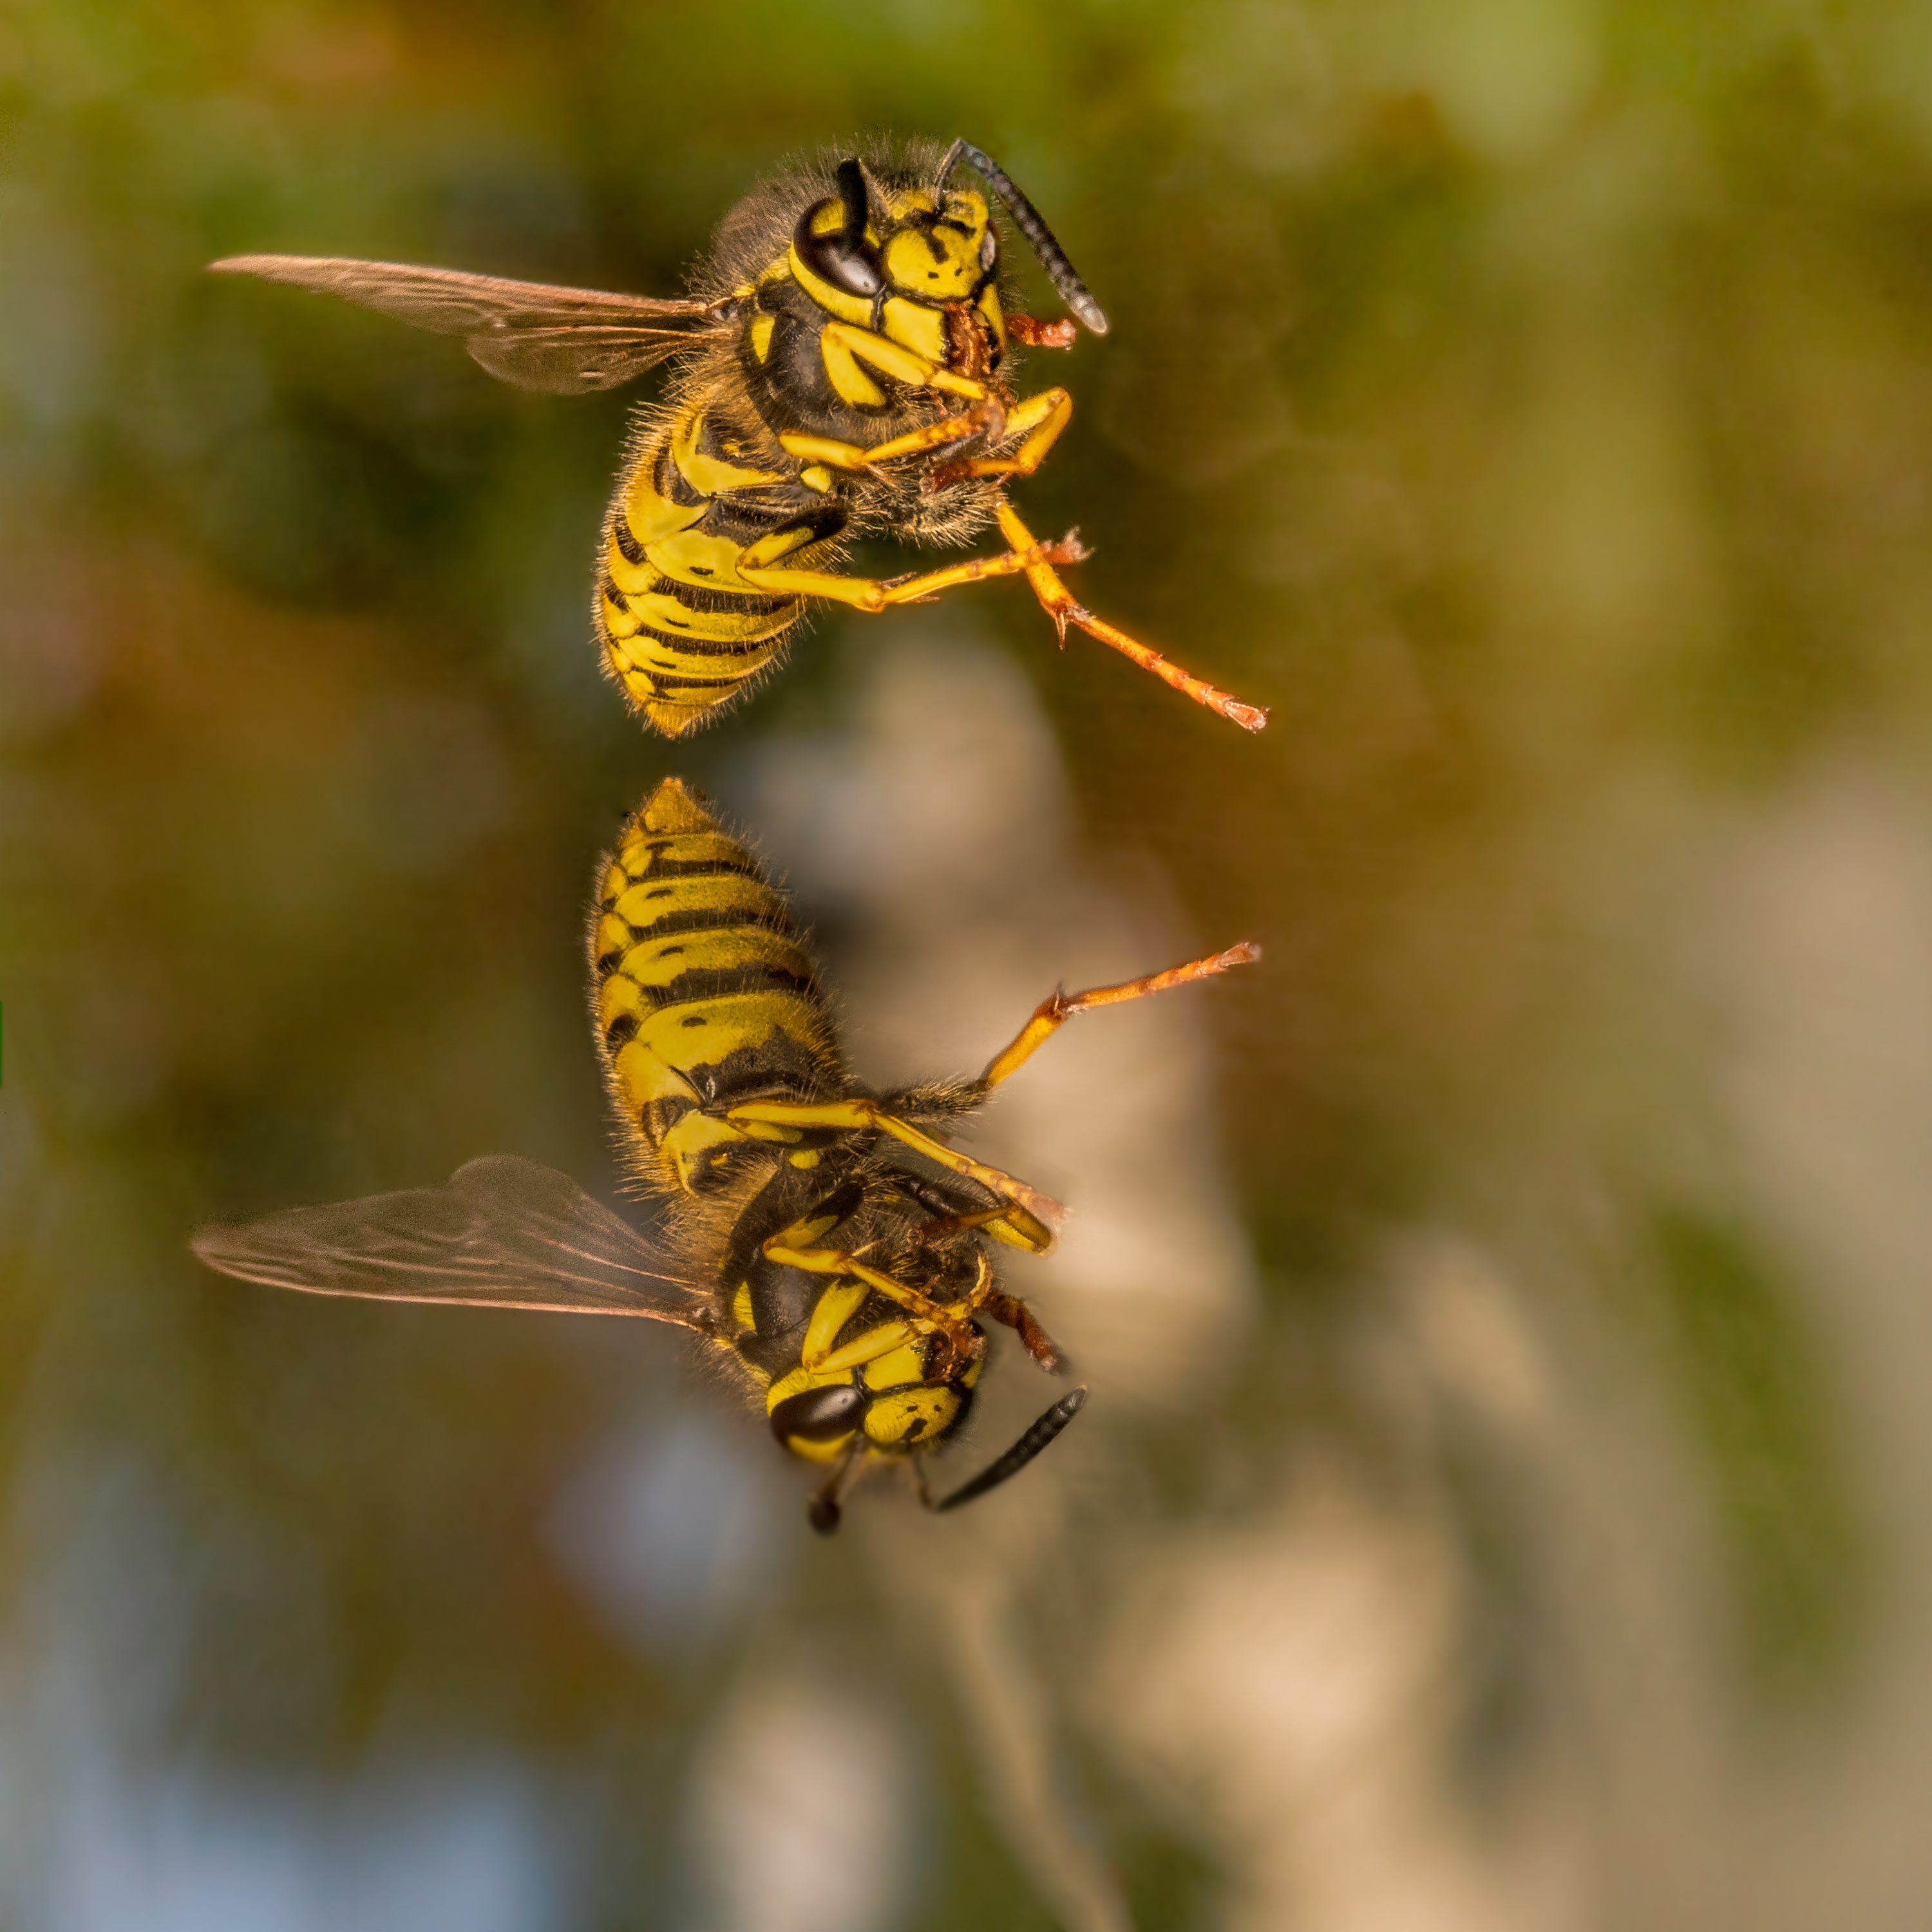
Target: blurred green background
point(1504, 1502)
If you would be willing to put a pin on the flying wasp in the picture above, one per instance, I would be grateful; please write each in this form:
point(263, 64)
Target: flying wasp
point(826, 1242)
point(843, 372)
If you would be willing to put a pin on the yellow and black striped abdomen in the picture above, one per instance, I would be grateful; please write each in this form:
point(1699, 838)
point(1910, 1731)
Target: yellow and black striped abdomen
point(705, 996)
point(682, 632)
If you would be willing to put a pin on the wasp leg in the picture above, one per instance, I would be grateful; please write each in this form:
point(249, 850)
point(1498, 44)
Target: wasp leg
point(1014, 1314)
point(836, 1261)
point(868, 594)
point(838, 455)
point(1019, 1224)
point(1039, 419)
point(1034, 333)
point(929, 1232)
point(844, 345)
point(1058, 603)
point(1053, 1011)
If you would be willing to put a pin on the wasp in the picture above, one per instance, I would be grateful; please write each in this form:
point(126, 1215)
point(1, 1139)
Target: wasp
point(843, 369)
point(827, 1243)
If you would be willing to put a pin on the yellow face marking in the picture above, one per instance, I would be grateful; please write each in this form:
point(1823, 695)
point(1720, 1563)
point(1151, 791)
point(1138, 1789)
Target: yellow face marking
point(816, 476)
point(906, 1365)
point(742, 1315)
point(939, 263)
point(899, 1420)
point(805, 1157)
point(762, 326)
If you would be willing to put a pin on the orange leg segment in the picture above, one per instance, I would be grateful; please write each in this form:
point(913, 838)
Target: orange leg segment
point(1053, 1013)
point(1059, 604)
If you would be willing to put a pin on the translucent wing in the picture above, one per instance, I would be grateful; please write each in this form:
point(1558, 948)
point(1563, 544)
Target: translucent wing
point(504, 1233)
point(560, 341)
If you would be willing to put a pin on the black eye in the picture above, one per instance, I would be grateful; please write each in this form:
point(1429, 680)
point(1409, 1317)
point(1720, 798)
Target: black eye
point(841, 258)
point(819, 1414)
point(989, 250)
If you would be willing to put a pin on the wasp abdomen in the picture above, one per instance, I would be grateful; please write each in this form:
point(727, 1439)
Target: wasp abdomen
point(705, 994)
point(681, 630)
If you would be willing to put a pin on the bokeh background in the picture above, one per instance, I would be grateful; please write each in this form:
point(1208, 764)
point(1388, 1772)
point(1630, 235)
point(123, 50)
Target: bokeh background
point(1505, 1500)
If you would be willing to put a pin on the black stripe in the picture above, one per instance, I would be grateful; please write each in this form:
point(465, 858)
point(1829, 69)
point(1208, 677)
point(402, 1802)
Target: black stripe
point(713, 921)
point(664, 685)
point(742, 603)
point(691, 868)
point(702, 984)
point(706, 647)
point(668, 480)
point(628, 546)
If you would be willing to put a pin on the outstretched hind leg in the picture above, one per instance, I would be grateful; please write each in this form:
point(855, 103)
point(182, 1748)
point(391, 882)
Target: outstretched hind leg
point(1059, 604)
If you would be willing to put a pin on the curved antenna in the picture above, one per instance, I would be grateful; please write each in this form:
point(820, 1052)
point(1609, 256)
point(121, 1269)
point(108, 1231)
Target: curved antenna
point(851, 180)
point(1027, 219)
point(1022, 1452)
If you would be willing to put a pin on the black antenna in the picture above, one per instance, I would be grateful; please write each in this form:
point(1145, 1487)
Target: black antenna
point(1022, 1452)
point(851, 181)
point(1026, 218)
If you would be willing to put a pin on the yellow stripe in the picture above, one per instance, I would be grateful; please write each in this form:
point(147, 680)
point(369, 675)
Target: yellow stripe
point(660, 962)
point(644, 846)
point(655, 1062)
point(629, 577)
point(649, 515)
point(671, 808)
point(619, 622)
point(663, 612)
point(710, 475)
point(690, 557)
point(650, 901)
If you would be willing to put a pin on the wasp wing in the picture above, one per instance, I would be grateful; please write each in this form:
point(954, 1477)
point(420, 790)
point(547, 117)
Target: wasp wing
point(504, 1233)
point(572, 361)
point(560, 341)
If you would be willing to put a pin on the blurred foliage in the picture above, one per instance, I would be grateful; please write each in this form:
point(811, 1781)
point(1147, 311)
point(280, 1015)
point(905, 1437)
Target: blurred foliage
point(1769, 1425)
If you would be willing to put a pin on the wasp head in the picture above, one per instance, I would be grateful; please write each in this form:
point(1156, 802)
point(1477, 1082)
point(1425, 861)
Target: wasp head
point(869, 244)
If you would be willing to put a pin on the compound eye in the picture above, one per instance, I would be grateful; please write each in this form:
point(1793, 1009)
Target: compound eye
point(819, 1414)
point(839, 257)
